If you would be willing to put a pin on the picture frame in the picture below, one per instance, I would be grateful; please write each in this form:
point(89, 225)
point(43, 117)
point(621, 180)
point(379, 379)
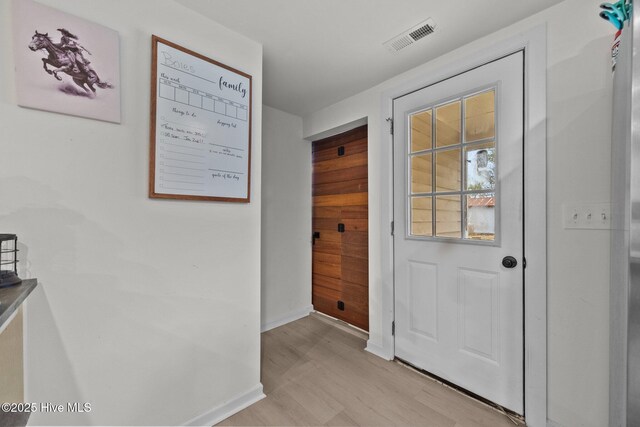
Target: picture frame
point(68, 65)
point(200, 127)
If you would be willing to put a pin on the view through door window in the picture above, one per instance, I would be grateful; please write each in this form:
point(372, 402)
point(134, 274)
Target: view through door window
point(452, 167)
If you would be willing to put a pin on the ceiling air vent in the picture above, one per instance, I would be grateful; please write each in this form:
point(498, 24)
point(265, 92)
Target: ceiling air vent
point(410, 36)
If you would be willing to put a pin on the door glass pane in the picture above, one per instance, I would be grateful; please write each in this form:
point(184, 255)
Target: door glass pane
point(480, 216)
point(448, 218)
point(448, 173)
point(421, 175)
point(421, 216)
point(421, 131)
point(480, 170)
point(448, 118)
point(479, 116)
point(456, 158)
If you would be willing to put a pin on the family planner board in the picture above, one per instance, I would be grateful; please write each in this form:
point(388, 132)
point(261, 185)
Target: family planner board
point(200, 127)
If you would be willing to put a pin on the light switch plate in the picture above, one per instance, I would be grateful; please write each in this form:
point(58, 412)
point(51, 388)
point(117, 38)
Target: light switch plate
point(587, 216)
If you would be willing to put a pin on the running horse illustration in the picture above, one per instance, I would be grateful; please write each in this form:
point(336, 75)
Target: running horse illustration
point(67, 57)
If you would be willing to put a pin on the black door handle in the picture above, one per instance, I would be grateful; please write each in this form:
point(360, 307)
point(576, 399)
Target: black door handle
point(509, 262)
point(316, 235)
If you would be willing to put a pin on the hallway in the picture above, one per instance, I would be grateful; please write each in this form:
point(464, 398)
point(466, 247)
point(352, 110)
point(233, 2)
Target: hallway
point(314, 373)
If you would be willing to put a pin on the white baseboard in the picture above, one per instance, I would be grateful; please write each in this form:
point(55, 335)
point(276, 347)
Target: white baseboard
point(288, 318)
point(224, 411)
point(551, 423)
point(378, 351)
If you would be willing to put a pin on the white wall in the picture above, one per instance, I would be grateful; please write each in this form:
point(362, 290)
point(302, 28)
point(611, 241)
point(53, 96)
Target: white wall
point(579, 129)
point(147, 309)
point(286, 219)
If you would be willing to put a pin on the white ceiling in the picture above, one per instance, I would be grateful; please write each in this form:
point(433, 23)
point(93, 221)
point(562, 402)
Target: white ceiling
point(318, 52)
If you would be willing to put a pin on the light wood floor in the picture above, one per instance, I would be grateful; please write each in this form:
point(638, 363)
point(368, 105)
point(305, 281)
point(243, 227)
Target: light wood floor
point(317, 374)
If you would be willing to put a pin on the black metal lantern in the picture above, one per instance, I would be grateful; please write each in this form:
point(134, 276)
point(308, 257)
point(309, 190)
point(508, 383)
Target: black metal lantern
point(9, 260)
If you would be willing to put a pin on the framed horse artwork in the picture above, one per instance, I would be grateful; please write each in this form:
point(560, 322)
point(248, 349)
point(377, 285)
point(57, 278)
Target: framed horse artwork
point(65, 64)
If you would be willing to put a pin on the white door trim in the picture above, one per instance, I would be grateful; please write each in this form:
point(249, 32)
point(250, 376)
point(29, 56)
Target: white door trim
point(534, 45)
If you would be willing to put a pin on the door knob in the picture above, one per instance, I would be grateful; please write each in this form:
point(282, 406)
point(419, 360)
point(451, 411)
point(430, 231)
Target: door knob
point(509, 262)
point(316, 235)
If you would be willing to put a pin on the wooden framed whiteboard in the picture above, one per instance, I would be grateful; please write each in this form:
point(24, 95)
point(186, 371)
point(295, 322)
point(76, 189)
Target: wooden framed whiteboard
point(200, 127)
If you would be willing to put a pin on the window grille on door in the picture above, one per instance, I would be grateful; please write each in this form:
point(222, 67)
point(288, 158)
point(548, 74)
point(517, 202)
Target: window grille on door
point(452, 165)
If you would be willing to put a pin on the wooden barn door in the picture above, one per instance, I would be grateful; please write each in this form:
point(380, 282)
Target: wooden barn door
point(340, 227)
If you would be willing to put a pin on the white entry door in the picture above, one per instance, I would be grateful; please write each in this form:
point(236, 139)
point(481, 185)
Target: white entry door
point(458, 211)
